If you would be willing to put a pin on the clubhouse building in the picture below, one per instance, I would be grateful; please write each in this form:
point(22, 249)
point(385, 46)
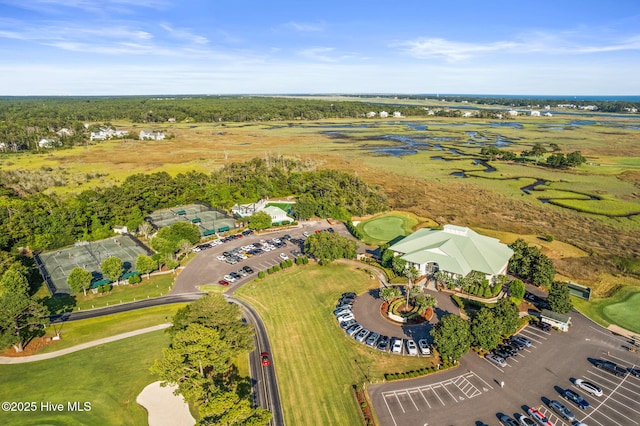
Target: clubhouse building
point(455, 250)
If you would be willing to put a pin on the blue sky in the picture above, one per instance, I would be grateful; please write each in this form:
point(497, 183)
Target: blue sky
point(128, 47)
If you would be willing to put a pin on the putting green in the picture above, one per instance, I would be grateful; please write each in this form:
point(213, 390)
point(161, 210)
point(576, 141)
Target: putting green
point(385, 228)
point(625, 313)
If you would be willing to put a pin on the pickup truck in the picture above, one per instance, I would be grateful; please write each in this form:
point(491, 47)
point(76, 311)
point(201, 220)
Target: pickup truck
point(611, 367)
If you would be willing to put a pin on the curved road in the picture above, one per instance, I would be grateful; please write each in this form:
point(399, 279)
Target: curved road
point(265, 384)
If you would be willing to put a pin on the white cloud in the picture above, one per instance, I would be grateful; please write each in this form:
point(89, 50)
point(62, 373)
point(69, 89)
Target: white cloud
point(557, 43)
point(92, 6)
point(322, 54)
point(184, 34)
point(306, 27)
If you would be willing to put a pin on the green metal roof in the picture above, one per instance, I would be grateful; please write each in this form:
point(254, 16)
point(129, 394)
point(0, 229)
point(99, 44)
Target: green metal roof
point(455, 249)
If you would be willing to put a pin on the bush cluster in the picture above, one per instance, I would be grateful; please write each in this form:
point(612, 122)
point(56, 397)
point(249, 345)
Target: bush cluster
point(416, 373)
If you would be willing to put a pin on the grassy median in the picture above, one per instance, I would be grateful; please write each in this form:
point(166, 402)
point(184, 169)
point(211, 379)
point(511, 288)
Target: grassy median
point(316, 363)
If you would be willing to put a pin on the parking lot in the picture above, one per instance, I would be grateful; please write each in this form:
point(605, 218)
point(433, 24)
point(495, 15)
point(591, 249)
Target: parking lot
point(480, 391)
point(206, 268)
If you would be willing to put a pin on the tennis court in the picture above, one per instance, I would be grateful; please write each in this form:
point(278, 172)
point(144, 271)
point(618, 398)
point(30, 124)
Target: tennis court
point(55, 266)
point(209, 221)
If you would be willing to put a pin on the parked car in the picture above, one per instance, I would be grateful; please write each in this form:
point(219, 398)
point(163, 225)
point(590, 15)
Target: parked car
point(539, 417)
point(346, 317)
point(507, 421)
point(522, 340)
point(347, 324)
point(508, 349)
point(541, 325)
point(248, 269)
point(372, 339)
point(588, 387)
point(575, 398)
point(221, 258)
point(229, 278)
point(342, 311)
point(362, 335)
point(265, 359)
point(235, 275)
point(306, 234)
point(634, 372)
point(423, 344)
point(223, 282)
point(515, 344)
point(412, 348)
point(561, 410)
point(349, 294)
point(283, 256)
point(396, 346)
point(501, 353)
point(611, 367)
point(383, 343)
point(526, 421)
point(495, 359)
point(355, 328)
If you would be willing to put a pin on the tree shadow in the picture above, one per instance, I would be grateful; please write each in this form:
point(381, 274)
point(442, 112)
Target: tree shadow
point(59, 303)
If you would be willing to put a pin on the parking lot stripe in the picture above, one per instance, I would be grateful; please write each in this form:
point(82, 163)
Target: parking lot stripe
point(613, 356)
point(424, 397)
point(398, 399)
point(414, 403)
point(609, 397)
point(437, 396)
point(390, 412)
point(483, 381)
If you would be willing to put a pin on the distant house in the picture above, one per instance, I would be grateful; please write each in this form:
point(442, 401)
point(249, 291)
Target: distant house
point(64, 132)
point(120, 229)
point(107, 133)
point(371, 114)
point(548, 114)
point(554, 319)
point(384, 114)
point(455, 250)
point(47, 143)
point(535, 113)
point(467, 114)
point(512, 113)
point(276, 213)
point(171, 120)
point(397, 114)
point(149, 135)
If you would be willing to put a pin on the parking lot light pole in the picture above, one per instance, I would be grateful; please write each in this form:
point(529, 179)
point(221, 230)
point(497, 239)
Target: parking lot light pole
point(369, 373)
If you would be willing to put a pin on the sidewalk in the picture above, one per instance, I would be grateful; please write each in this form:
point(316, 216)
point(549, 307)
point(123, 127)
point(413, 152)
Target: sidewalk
point(40, 357)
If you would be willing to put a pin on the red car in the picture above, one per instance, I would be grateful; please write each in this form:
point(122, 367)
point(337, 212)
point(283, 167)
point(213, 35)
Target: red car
point(265, 359)
point(539, 417)
point(223, 282)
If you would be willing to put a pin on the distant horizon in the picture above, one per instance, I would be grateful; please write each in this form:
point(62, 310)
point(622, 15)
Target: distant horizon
point(598, 98)
point(140, 48)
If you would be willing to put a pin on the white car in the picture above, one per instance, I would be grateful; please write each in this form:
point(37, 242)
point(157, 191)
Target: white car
point(412, 348)
point(284, 256)
point(305, 233)
point(229, 278)
point(221, 258)
point(495, 359)
point(423, 344)
point(588, 387)
point(196, 249)
point(276, 240)
point(526, 421)
point(397, 346)
point(346, 317)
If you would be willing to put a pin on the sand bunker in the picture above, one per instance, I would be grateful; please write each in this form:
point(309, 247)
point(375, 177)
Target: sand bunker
point(165, 408)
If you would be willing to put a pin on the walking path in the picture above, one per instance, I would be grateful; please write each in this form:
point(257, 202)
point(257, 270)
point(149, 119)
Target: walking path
point(40, 357)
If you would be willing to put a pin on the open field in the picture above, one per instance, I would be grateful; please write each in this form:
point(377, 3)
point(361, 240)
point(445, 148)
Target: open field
point(82, 331)
point(402, 157)
point(623, 309)
point(315, 379)
point(109, 377)
point(155, 286)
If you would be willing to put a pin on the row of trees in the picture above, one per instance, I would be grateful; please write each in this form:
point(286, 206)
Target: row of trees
point(207, 337)
point(328, 246)
point(556, 160)
point(454, 336)
point(48, 221)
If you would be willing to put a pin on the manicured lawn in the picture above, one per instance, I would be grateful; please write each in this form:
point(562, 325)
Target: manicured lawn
point(109, 376)
point(623, 309)
point(76, 332)
point(388, 226)
point(156, 286)
point(315, 361)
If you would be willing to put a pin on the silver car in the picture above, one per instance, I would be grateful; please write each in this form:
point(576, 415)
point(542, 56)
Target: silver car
point(372, 339)
point(362, 335)
point(562, 410)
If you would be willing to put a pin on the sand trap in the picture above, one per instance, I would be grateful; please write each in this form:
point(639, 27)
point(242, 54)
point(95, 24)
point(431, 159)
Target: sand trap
point(165, 408)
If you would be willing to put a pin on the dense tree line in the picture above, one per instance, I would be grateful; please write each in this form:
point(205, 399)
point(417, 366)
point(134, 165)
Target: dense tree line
point(530, 264)
point(44, 222)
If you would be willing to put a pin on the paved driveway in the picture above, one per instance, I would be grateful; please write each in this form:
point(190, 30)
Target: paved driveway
point(532, 378)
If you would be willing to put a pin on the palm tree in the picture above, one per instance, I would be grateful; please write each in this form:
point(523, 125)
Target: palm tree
point(411, 273)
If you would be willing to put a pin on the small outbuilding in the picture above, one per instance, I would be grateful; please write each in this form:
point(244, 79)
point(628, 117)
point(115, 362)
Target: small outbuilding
point(556, 320)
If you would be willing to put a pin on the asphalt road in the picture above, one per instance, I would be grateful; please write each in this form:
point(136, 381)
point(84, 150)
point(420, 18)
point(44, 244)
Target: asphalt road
point(471, 394)
point(264, 382)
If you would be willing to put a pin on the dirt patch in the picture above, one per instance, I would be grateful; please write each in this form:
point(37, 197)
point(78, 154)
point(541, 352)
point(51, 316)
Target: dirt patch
point(32, 348)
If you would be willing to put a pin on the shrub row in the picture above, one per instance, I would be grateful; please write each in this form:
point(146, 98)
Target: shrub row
point(353, 230)
point(416, 373)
